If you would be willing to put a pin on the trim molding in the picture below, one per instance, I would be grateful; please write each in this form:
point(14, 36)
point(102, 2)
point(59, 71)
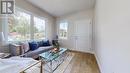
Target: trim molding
point(82, 52)
point(98, 62)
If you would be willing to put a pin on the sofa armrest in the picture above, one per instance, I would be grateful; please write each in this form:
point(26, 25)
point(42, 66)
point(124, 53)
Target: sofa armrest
point(15, 49)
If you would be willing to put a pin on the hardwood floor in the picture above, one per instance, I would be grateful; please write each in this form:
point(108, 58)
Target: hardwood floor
point(82, 63)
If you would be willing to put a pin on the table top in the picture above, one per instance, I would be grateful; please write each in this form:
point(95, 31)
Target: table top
point(49, 56)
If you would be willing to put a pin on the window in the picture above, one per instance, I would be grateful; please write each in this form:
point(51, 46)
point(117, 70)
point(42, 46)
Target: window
point(19, 26)
point(63, 27)
point(39, 28)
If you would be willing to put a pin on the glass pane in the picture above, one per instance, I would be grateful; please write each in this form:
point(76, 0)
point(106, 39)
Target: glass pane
point(19, 26)
point(39, 28)
point(63, 30)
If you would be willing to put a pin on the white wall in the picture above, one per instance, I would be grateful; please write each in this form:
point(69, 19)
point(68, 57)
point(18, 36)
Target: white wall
point(112, 35)
point(0, 19)
point(0, 24)
point(71, 19)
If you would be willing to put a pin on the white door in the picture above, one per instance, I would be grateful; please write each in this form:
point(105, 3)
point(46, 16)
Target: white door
point(82, 36)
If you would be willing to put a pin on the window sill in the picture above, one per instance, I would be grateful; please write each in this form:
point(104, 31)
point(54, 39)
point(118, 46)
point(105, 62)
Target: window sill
point(63, 38)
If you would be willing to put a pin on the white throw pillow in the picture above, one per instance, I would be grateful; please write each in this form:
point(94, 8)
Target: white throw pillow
point(25, 46)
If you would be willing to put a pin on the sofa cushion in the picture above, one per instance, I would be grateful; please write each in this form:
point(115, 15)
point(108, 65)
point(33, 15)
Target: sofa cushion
point(33, 45)
point(38, 51)
point(46, 43)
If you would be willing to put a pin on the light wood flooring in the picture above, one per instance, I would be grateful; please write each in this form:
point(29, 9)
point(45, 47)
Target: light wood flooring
point(82, 63)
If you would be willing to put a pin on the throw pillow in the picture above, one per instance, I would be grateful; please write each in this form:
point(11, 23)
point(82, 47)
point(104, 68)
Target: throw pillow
point(25, 46)
point(40, 43)
point(46, 43)
point(33, 45)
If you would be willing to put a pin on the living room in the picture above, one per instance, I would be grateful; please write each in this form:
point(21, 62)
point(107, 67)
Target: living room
point(64, 36)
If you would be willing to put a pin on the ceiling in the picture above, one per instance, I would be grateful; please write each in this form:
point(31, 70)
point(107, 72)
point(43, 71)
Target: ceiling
point(63, 7)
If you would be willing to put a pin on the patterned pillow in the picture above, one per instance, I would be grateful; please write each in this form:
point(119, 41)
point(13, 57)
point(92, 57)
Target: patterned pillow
point(46, 43)
point(16, 49)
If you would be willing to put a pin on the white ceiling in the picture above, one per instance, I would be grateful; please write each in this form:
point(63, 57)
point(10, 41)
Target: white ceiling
point(63, 7)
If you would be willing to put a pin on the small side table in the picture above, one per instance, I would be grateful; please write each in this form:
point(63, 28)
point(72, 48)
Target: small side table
point(5, 55)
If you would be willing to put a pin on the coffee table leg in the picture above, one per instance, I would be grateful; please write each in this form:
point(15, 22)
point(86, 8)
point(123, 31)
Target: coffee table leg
point(41, 71)
point(51, 66)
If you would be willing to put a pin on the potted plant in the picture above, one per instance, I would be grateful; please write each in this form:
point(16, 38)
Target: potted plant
point(56, 45)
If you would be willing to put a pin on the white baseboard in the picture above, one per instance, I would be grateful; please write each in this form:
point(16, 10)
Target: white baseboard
point(91, 52)
point(99, 65)
point(87, 51)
